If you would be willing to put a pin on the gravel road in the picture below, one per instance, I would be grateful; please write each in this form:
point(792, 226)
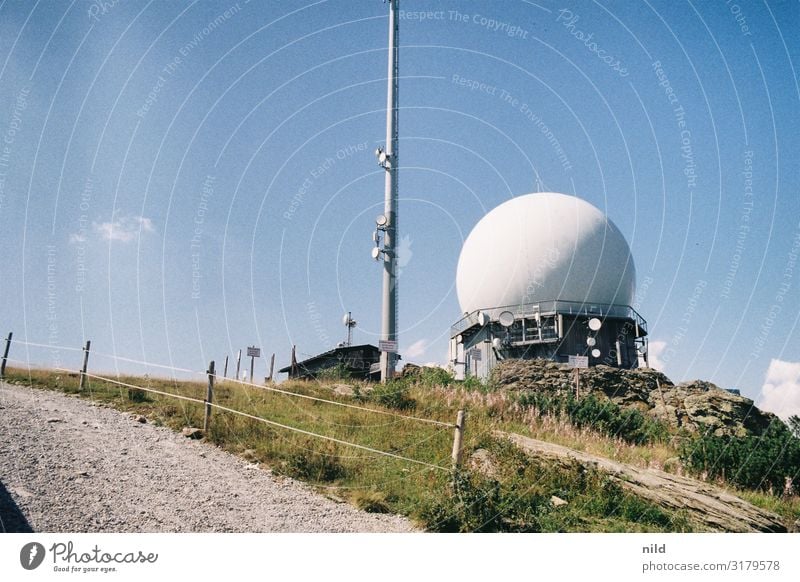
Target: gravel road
point(68, 465)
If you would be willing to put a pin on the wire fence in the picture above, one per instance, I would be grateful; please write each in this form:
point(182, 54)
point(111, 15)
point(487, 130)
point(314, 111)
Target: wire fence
point(344, 404)
point(281, 425)
point(209, 404)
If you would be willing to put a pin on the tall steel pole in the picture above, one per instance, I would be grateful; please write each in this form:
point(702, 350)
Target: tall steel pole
point(389, 315)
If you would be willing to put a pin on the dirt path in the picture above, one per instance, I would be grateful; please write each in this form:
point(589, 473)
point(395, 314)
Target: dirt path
point(711, 508)
point(68, 465)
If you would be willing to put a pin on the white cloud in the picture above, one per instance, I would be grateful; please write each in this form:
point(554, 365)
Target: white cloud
point(655, 349)
point(781, 390)
point(124, 228)
point(417, 348)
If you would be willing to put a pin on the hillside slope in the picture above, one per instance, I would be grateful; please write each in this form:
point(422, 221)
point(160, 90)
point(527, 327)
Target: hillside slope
point(707, 507)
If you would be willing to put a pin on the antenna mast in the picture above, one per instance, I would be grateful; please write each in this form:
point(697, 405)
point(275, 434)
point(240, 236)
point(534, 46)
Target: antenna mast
point(388, 160)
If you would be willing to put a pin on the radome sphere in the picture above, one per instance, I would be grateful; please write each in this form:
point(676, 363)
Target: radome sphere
point(542, 247)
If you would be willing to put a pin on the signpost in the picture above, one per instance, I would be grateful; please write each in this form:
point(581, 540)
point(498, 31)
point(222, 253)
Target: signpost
point(578, 362)
point(388, 346)
point(253, 352)
point(475, 355)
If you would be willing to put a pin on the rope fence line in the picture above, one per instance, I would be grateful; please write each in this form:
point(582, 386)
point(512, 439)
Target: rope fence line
point(208, 402)
point(48, 346)
point(153, 390)
point(242, 383)
point(332, 439)
point(143, 363)
point(102, 355)
point(234, 380)
point(345, 405)
point(271, 422)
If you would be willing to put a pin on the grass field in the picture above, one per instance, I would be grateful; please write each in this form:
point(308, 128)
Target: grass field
point(515, 497)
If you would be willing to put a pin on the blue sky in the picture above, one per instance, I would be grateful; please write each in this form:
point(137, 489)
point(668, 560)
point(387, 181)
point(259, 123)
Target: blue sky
point(183, 179)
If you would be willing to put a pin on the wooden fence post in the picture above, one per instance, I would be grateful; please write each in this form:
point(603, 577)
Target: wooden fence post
point(458, 438)
point(271, 367)
point(209, 397)
point(225, 372)
point(5, 356)
point(294, 372)
point(85, 364)
point(238, 363)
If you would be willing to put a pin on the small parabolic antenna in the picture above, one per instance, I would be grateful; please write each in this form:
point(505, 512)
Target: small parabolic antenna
point(497, 343)
point(381, 220)
point(459, 339)
point(595, 353)
point(595, 324)
point(591, 342)
point(506, 319)
point(483, 319)
point(376, 253)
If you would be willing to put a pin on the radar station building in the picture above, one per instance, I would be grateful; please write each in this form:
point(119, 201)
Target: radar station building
point(546, 275)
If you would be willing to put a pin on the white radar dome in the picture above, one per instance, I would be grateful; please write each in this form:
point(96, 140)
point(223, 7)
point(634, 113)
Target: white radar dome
point(542, 247)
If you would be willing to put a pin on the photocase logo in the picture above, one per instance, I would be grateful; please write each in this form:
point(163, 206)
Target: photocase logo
point(31, 555)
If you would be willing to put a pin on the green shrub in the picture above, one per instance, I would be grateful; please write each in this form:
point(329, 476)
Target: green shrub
point(334, 373)
point(315, 461)
point(393, 394)
point(135, 395)
point(473, 505)
point(604, 416)
point(433, 377)
point(759, 462)
point(371, 501)
point(474, 383)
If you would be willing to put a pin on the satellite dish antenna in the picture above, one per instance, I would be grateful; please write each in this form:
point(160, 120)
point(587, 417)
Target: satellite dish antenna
point(483, 319)
point(381, 220)
point(459, 339)
point(506, 319)
point(497, 343)
point(376, 253)
point(595, 353)
point(595, 324)
point(591, 342)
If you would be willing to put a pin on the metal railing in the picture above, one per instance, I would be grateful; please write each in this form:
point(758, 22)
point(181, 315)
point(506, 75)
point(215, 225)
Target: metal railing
point(542, 308)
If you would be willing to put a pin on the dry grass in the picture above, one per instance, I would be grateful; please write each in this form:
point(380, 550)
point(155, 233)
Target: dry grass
point(374, 482)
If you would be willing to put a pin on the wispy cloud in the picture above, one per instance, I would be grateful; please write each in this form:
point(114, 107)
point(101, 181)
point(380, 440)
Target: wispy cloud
point(417, 348)
point(123, 228)
point(781, 390)
point(655, 349)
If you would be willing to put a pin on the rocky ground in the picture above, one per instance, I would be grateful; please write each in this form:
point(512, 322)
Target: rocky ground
point(695, 406)
point(708, 507)
point(68, 465)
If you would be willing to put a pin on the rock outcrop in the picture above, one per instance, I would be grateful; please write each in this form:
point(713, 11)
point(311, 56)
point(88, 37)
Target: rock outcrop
point(695, 406)
point(707, 507)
